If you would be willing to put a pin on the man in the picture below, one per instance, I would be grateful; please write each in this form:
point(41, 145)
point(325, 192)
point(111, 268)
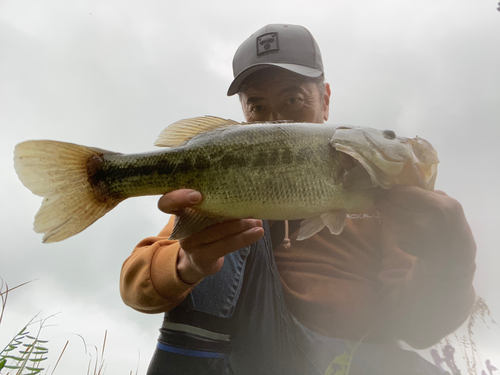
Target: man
point(239, 299)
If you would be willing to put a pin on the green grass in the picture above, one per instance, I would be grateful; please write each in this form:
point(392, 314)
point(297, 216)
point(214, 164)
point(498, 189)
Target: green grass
point(27, 352)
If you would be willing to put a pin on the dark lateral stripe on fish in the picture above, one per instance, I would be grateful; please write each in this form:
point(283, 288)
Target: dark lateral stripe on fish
point(108, 172)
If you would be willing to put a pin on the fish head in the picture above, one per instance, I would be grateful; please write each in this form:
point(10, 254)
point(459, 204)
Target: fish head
point(389, 160)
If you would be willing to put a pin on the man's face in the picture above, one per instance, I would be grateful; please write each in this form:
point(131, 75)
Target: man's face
point(283, 96)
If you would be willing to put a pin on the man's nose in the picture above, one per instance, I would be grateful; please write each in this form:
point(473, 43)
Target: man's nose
point(276, 116)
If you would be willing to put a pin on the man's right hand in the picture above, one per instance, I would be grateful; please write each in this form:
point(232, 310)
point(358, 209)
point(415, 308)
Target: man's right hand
point(202, 254)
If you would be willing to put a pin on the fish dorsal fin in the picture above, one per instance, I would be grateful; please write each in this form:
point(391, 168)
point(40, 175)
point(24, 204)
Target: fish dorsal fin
point(182, 131)
point(189, 222)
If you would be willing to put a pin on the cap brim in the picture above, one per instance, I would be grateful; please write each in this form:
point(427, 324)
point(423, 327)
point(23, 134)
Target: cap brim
point(299, 69)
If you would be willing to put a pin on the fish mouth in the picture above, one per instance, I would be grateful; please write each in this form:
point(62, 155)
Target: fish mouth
point(389, 160)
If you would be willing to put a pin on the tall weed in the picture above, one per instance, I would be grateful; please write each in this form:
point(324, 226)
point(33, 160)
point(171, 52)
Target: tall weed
point(445, 353)
point(24, 354)
point(27, 352)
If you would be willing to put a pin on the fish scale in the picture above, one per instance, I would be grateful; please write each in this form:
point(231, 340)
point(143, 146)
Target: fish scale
point(240, 172)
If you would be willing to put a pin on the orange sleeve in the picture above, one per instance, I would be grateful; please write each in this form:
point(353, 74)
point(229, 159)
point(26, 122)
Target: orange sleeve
point(149, 282)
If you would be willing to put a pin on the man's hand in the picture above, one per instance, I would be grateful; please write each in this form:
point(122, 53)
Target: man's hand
point(427, 224)
point(202, 254)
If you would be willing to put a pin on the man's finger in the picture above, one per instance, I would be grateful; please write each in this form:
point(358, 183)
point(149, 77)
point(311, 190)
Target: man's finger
point(233, 242)
point(205, 258)
point(220, 231)
point(411, 198)
point(177, 200)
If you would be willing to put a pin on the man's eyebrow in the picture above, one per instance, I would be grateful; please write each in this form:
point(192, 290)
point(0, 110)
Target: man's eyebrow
point(286, 90)
point(254, 99)
point(289, 89)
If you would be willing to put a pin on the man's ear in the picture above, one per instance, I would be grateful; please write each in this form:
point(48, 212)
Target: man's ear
point(326, 102)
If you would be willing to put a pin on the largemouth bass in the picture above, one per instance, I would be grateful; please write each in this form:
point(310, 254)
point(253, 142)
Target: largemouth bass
point(273, 171)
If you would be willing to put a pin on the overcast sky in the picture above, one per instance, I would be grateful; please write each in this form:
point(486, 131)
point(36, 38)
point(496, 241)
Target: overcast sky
point(113, 74)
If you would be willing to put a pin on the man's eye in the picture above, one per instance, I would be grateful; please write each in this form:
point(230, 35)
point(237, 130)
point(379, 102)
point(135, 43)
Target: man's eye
point(257, 108)
point(293, 101)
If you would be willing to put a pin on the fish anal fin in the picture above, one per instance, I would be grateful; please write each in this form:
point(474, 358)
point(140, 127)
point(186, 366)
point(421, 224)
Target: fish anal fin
point(309, 227)
point(182, 131)
point(190, 221)
point(334, 220)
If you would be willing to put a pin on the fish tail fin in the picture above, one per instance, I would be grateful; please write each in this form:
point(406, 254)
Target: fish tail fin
point(59, 172)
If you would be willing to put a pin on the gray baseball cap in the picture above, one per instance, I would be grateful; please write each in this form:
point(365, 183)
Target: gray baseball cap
point(289, 47)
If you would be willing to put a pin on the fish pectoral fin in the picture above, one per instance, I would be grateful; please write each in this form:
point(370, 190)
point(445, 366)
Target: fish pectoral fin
point(182, 131)
point(334, 220)
point(309, 227)
point(189, 222)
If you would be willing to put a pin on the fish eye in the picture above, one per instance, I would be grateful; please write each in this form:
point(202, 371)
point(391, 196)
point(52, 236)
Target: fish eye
point(390, 134)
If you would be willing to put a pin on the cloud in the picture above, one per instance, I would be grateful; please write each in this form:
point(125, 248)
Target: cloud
point(114, 74)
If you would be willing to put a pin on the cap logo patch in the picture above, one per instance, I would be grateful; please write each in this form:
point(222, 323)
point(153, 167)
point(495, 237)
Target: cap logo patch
point(267, 42)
